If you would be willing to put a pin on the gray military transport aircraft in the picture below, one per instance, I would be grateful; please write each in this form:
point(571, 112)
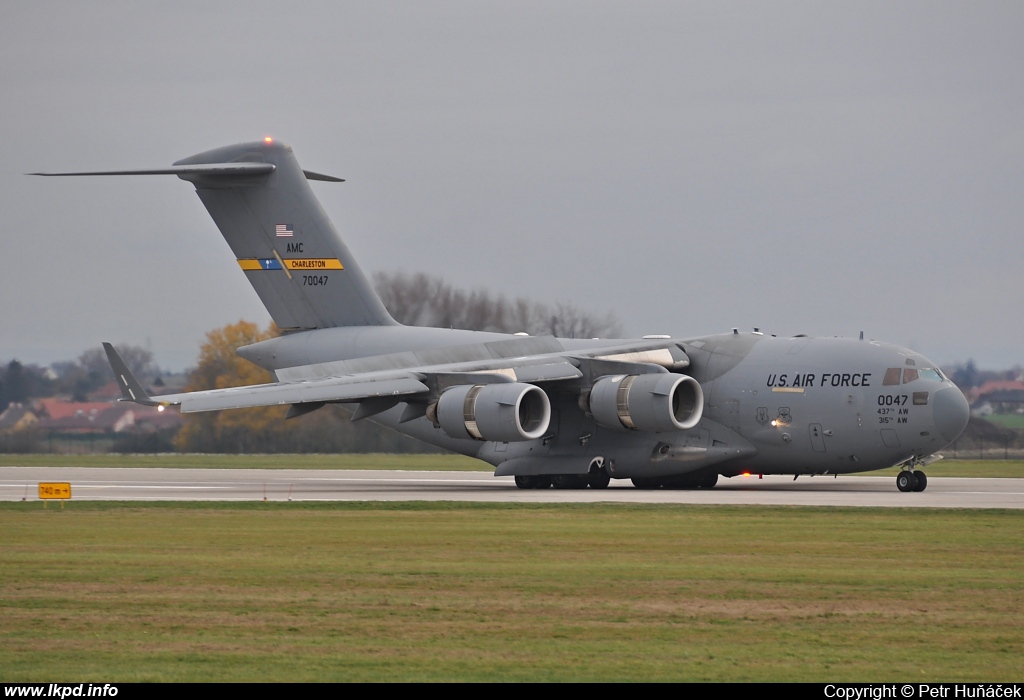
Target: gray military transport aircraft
point(572, 413)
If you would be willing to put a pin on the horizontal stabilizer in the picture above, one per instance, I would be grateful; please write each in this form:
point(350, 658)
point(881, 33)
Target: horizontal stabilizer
point(206, 169)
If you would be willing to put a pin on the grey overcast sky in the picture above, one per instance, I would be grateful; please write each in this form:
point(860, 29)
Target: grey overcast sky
point(804, 167)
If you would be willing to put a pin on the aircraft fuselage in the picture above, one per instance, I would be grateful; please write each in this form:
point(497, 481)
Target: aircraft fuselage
point(772, 405)
point(827, 405)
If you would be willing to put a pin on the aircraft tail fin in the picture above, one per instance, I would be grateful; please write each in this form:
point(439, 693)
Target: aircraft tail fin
point(283, 240)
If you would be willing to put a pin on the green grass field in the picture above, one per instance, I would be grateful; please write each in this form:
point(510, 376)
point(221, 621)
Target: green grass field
point(442, 462)
point(372, 591)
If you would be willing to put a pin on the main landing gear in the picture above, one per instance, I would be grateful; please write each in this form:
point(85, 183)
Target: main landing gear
point(907, 481)
point(533, 481)
point(597, 478)
point(685, 481)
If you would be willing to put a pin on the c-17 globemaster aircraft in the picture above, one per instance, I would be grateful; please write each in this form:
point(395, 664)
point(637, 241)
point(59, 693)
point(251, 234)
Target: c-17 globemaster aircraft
point(572, 413)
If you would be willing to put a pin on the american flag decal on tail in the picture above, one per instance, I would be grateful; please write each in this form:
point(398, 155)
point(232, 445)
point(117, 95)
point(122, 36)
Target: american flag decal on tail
point(285, 231)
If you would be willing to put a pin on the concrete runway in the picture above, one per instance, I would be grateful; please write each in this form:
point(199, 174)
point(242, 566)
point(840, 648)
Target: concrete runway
point(154, 484)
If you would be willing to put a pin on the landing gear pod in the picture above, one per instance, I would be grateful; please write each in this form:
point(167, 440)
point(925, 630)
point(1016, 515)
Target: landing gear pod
point(653, 403)
point(495, 412)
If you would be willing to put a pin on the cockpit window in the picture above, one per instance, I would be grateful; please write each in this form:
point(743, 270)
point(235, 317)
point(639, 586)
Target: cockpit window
point(892, 377)
point(910, 375)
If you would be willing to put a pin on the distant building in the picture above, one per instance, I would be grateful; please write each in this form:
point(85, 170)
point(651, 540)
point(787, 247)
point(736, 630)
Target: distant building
point(17, 417)
point(109, 392)
point(57, 409)
point(998, 397)
point(92, 417)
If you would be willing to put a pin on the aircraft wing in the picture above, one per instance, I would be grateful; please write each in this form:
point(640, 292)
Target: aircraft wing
point(357, 388)
point(342, 389)
point(421, 382)
point(352, 388)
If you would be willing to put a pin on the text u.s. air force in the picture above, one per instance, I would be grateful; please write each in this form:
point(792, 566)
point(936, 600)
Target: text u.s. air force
point(827, 379)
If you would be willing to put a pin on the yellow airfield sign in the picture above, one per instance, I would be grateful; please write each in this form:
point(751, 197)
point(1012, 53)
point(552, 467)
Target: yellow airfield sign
point(54, 490)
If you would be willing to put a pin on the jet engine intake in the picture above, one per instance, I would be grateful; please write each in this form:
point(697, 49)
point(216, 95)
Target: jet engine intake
point(651, 403)
point(496, 412)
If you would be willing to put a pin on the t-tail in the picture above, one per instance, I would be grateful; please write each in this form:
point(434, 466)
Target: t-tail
point(261, 201)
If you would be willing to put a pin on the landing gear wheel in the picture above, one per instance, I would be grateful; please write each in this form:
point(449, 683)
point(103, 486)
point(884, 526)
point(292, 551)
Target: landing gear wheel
point(598, 477)
point(906, 481)
point(646, 483)
point(922, 481)
point(709, 481)
point(543, 481)
point(526, 481)
point(569, 481)
point(680, 482)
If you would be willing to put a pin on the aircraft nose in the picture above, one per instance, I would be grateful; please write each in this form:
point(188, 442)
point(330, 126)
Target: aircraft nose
point(950, 411)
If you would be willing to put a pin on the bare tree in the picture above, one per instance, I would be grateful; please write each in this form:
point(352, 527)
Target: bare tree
point(92, 370)
point(424, 300)
point(138, 359)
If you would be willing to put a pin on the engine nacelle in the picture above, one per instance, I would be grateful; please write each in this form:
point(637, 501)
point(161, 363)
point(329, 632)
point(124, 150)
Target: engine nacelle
point(653, 403)
point(497, 412)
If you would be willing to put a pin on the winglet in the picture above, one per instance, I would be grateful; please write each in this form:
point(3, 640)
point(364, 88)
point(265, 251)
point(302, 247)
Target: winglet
point(131, 390)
